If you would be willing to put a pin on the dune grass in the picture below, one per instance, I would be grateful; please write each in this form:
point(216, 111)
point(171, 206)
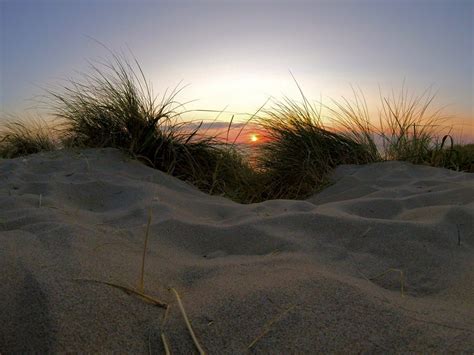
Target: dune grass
point(300, 151)
point(113, 105)
point(18, 138)
point(410, 128)
point(453, 156)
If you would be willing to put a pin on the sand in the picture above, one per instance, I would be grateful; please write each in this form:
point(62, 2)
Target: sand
point(298, 276)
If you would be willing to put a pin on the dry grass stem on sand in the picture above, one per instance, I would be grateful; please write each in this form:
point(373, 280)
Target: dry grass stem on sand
point(188, 323)
point(402, 278)
point(142, 271)
point(166, 344)
point(268, 326)
point(164, 338)
point(140, 291)
point(126, 289)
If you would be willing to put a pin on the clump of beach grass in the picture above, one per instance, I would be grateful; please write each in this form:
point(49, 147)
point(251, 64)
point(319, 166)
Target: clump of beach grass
point(452, 156)
point(18, 138)
point(409, 128)
point(114, 106)
point(352, 118)
point(300, 151)
point(463, 159)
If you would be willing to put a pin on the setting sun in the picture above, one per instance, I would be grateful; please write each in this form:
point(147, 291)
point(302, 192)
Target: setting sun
point(253, 137)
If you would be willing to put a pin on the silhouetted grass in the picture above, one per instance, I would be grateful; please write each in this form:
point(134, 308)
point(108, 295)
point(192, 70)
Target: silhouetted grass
point(18, 138)
point(353, 119)
point(409, 129)
point(114, 106)
point(410, 126)
point(455, 156)
point(300, 152)
point(464, 158)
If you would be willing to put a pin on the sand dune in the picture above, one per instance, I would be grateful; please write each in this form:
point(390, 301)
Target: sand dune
point(322, 275)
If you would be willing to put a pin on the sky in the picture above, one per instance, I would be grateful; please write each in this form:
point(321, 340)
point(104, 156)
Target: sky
point(236, 54)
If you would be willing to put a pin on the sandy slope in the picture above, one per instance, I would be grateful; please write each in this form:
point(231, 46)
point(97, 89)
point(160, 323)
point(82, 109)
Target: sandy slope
point(237, 267)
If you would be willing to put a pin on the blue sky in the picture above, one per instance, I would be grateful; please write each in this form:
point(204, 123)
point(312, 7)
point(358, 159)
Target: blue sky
point(237, 53)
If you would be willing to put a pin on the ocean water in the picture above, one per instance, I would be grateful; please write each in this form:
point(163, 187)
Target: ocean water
point(251, 151)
